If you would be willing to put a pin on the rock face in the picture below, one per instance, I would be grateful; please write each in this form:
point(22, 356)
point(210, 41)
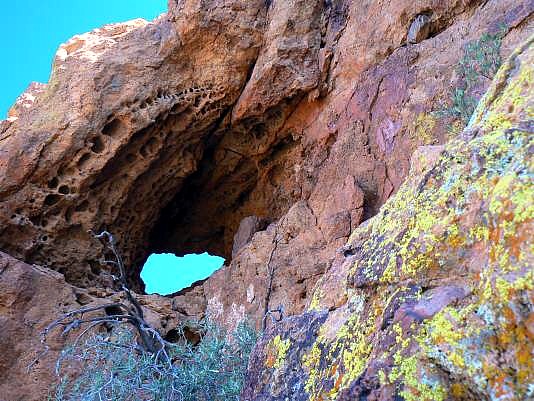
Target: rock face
point(434, 298)
point(26, 292)
point(302, 114)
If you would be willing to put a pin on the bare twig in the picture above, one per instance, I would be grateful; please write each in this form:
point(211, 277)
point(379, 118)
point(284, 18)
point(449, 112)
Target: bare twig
point(271, 314)
point(130, 312)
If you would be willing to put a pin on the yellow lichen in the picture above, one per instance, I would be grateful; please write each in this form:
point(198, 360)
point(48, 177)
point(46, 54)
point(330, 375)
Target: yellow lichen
point(277, 352)
point(423, 131)
point(405, 371)
point(468, 216)
point(315, 303)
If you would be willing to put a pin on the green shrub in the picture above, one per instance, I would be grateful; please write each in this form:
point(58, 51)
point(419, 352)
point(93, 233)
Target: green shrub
point(480, 63)
point(113, 367)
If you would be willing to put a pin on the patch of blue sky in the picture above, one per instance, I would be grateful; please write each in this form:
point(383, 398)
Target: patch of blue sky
point(166, 273)
point(32, 31)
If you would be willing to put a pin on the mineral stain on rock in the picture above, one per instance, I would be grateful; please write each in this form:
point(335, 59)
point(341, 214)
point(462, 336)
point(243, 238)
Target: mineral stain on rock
point(299, 141)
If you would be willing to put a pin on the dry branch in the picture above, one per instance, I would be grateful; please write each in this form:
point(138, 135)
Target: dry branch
point(131, 313)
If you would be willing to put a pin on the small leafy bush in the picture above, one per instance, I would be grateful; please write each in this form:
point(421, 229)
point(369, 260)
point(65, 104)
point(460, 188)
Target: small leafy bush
point(480, 63)
point(113, 367)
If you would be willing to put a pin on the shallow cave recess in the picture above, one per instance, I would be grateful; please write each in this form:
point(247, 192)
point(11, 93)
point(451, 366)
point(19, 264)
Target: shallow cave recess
point(245, 170)
point(180, 182)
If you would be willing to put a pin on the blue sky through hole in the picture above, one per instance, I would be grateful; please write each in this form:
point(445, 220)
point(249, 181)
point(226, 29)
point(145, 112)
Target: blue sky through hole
point(32, 31)
point(166, 273)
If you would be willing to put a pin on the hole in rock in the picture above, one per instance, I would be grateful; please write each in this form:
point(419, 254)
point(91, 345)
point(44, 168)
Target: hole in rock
point(188, 334)
point(166, 273)
point(51, 199)
point(113, 127)
point(84, 159)
point(113, 310)
point(98, 146)
point(53, 183)
point(64, 189)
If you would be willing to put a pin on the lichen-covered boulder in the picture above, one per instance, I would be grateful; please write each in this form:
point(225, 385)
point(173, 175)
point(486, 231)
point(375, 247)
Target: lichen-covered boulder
point(433, 297)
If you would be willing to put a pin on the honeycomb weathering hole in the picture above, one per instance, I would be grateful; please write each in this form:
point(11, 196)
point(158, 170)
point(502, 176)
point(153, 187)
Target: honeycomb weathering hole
point(98, 146)
point(167, 273)
point(52, 199)
point(113, 127)
point(53, 183)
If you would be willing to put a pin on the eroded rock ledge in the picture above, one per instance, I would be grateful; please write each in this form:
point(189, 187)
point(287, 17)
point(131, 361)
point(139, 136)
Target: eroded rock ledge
point(303, 114)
